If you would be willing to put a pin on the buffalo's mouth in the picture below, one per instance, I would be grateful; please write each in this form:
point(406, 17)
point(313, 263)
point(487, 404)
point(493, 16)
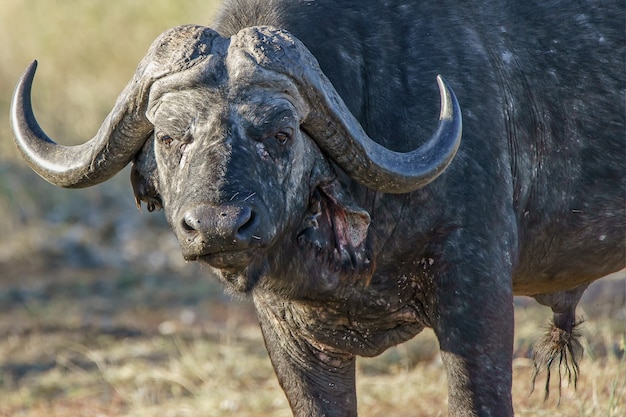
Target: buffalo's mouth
point(226, 259)
point(230, 260)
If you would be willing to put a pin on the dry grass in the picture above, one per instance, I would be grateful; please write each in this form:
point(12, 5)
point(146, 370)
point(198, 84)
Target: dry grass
point(103, 344)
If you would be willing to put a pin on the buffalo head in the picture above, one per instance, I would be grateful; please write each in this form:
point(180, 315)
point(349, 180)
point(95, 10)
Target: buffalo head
point(234, 138)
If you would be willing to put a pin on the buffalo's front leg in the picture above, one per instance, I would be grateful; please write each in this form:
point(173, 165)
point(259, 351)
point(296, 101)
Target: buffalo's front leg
point(473, 321)
point(318, 382)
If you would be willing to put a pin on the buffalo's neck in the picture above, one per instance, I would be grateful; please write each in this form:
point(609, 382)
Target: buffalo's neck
point(365, 304)
point(358, 320)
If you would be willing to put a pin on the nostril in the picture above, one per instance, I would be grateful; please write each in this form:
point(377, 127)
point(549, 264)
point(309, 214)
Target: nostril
point(190, 223)
point(248, 221)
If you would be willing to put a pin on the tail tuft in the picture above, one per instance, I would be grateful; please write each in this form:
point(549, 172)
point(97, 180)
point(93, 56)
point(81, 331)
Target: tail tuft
point(558, 347)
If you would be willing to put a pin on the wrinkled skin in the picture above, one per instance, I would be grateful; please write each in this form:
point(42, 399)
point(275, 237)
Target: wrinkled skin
point(533, 203)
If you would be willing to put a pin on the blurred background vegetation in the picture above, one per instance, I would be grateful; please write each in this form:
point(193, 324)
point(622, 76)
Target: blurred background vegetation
point(99, 314)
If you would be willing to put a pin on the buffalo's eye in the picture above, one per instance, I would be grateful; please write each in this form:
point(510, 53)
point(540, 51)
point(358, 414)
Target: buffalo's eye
point(165, 139)
point(282, 138)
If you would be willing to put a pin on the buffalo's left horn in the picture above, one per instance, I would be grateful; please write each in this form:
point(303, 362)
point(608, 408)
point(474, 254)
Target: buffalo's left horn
point(337, 131)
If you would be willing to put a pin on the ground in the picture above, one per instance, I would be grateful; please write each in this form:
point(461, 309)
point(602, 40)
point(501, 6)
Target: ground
point(108, 342)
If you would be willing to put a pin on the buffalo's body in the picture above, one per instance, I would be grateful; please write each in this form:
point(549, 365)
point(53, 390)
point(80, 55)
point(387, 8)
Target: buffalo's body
point(533, 203)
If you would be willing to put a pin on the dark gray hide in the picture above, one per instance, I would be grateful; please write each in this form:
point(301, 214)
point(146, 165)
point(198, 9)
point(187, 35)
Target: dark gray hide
point(253, 155)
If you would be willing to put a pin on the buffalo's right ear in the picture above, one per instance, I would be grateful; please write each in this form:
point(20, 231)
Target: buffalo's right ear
point(143, 177)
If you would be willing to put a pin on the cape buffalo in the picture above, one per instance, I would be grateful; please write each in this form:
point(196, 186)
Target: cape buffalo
point(291, 149)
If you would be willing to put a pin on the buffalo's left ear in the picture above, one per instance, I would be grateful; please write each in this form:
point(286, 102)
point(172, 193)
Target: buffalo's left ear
point(335, 229)
point(351, 222)
point(143, 177)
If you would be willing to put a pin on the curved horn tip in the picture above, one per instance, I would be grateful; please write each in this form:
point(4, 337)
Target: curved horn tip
point(22, 90)
point(21, 113)
point(32, 65)
point(448, 99)
point(27, 76)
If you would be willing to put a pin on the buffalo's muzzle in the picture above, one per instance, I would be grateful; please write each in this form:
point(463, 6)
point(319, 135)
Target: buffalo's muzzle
point(209, 230)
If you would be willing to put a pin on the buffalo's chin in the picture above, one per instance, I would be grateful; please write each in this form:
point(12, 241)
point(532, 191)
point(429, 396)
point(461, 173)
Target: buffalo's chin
point(241, 281)
point(239, 271)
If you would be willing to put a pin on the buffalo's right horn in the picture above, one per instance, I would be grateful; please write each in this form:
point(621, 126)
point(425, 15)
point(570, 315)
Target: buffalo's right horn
point(125, 129)
point(120, 137)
